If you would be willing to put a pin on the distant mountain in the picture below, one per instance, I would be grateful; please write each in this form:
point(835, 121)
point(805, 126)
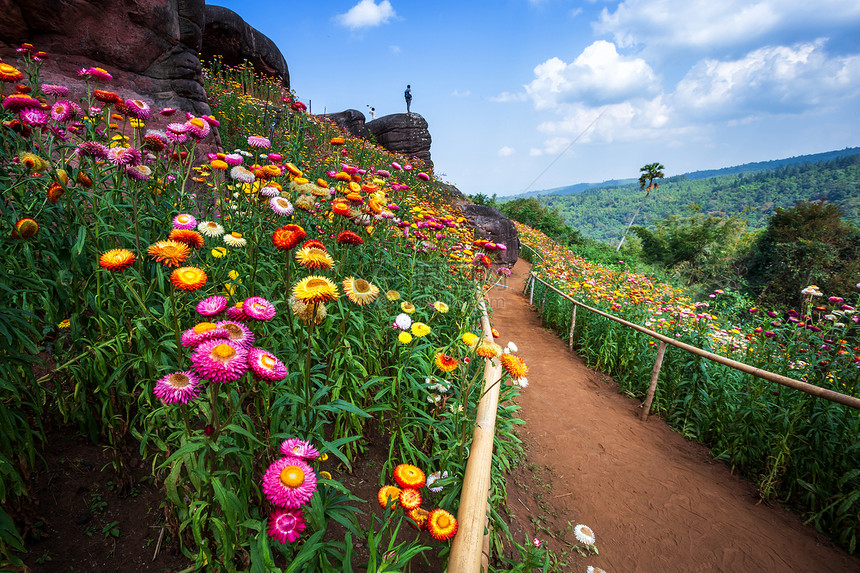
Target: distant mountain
point(704, 174)
point(752, 192)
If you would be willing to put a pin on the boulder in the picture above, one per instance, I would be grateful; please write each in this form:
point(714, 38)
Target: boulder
point(351, 121)
point(227, 35)
point(149, 46)
point(404, 133)
point(491, 225)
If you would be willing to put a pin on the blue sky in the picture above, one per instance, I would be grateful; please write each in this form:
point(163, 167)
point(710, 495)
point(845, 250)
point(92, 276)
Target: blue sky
point(534, 94)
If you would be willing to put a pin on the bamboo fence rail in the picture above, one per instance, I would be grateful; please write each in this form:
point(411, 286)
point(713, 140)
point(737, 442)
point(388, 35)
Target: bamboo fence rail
point(833, 396)
point(470, 548)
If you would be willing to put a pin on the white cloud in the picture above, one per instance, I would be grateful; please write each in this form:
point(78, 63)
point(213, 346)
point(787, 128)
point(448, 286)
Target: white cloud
point(598, 76)
point(367, 14)
point(458, 93)
point(506, 151)
point(506, 97)
point(769, 80)
point(394, 49)
point(703, 24)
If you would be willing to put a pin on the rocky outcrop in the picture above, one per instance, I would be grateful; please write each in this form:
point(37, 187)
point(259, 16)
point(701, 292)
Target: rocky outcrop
point(227, 35)
point(404, 133)
point(491, 225)
point(351, 121)
point(149, 46)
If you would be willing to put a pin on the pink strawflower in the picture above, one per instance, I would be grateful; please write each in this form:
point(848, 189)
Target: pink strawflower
point(281, 206)
point(137, 108)
point(289, 482)
point(167, 111)
point(239, 333)
point(286, 525)
point(233, 159)
point(236, 313)
point(259, 141)
point(96, 73)
point(198, 129)
point(123, 156)
point(211, 120)
point(184, 221)
point(220, 360)
point(62, 111)
point(270, 191)
point(34, 117)
point(258, 308)
point(177, 127)
point(55, 90)
point(299, 448)
point(266, 365)
point(275, 157)
point(212, 305)
point(17, 102)
point(177, 388)
point(93, 149)
point(423, 176)
point(202, 332)
point(139, 172)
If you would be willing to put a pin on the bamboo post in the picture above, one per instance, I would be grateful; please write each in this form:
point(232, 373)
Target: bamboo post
point(652, 387)
point(572, 326)
point(543, 302)
point(466, 549)
point(532, 295)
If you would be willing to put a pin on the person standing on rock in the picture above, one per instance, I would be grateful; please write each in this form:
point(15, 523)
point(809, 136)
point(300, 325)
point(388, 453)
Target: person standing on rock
point(372, 113)
point(408, 95)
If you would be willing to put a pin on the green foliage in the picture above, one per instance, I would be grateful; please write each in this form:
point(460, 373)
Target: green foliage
point(533, 213)
point(804, 245)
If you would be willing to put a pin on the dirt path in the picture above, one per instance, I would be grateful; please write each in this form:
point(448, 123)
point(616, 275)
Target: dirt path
point(655, 501)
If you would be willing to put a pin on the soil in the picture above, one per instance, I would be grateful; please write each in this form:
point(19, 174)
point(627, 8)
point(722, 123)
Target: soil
point(655, 501)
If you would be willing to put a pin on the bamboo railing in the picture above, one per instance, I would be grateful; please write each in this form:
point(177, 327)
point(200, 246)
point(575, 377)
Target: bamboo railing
point(470, 548)
point(831, 395)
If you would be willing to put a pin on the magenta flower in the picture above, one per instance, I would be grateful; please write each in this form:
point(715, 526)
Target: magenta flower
point(769, 333)
point(211, 120)
point(212, 305)
point(55, 90)
point(202, 332)
point(289, 482)
point(137, 108)
point(198, 129)
point(184, 221)
point(236, 313)
point(266, 365)
point(167, 111)
point(239, 333)
point(233, 159)
point(220, 360)
point(423, 176)
point(34, 117)
point(177, 388)
point(93, 149)
point(258, 308)
point(299, 448)
point(286, 525)
point(275, 157)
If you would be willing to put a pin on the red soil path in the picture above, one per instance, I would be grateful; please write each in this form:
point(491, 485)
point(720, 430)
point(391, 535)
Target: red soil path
point(655, 501)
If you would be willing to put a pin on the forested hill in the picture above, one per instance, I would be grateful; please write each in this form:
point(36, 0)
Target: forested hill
point(602, 213)
point(735, 170)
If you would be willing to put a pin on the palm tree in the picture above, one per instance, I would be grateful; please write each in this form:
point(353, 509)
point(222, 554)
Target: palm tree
point(648, 173)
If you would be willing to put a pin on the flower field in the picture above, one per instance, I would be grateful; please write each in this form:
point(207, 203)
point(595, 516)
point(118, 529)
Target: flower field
point(800, 450)
point(245, 315)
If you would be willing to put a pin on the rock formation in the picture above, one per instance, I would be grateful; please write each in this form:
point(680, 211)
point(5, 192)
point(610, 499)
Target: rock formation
point(491, 225)
point(227, 35)
point(352, 122)
point(404, 133)
point(149, 46)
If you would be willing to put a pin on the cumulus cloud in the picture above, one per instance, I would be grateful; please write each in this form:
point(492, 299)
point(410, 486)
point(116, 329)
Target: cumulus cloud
point(458, 93)
point(598, 76)
point(366, 14)
point(702, 24)
point(772, 80)
point(506, 151)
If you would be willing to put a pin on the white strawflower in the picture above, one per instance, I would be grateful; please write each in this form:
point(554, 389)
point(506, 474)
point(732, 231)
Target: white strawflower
point(210, 229)
point(511, 348)
point(403, 321)
point(584, 534)
point(433, 478)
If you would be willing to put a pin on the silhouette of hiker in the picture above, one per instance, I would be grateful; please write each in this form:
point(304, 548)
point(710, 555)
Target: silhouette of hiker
point(408, 95)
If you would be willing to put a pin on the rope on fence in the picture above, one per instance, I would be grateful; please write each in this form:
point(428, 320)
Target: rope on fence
point(818, 391)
